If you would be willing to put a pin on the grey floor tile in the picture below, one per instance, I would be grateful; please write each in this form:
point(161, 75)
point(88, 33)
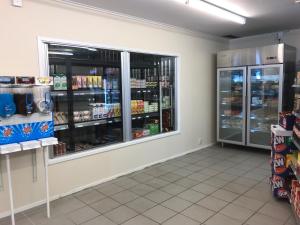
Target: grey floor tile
point(173, 189)
point(216, 182)
point(126, 182)
point(121, 214)
point(157, 183)
point(170, 177)
point(155, 172)
point(282, 212)
point(246, 181)
point(183, 172)
point(177, 204)
point(158, 196)
point(100, 220)
point(65, 205)
point(60, 220)
point(90, 197)
point(38, 218)
point(140, 220)
point(236, 188)
point(198, 213)
point(226, 176)
point(210, 172)
point(191, 195)
point(82, 215)
point(199, 176)
point(186, 182)
point(180, 220)
point(142, 189)
point(291, 221)
point(193, 168)
point(159, 213)
point(259, 195)
point(140, 205)
point(220, 219)
point(212, 203)
point(205, 188)
point(260, 219)
point(142, 177)
point(105, 205)
point(237, 212)
point(110, 189)
point(249, 203)
point(124, 196)
point(225, 195)
point(18, 221)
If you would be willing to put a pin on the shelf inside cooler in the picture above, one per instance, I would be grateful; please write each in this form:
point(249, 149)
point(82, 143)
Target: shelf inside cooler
point(61, 127)
point(144, 115)
point(144, 90)
point(97, 122)
point(94, 92)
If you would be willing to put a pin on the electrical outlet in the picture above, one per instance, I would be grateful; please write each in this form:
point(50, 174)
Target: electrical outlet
point(199, 141)
point(17, 3)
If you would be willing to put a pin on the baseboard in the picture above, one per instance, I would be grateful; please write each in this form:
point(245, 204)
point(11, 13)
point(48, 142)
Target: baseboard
point(41, 202)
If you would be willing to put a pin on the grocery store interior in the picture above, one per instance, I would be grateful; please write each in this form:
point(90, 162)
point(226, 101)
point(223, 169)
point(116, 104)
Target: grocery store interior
point(139, 112)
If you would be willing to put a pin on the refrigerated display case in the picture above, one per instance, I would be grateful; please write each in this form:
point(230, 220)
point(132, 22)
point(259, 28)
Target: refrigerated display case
point(105, 97)
point(87, 97)
point(263, 77)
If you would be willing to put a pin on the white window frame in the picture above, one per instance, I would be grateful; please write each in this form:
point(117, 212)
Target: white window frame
point(44, 71)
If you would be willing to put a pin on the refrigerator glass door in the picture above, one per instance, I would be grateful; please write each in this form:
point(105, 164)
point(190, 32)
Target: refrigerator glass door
point(152, 79)
point(231, 105)
point(87, 97)
point(264, 103)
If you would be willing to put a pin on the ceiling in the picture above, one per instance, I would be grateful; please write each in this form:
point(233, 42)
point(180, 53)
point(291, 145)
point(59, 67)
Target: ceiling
point(263, 16)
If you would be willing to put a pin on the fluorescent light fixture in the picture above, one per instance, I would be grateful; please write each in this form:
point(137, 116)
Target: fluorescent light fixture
point(60, 53)
point(214, 10)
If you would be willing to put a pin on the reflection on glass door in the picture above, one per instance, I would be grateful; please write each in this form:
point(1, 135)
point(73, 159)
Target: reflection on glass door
point(231, 105)
point(263, 102)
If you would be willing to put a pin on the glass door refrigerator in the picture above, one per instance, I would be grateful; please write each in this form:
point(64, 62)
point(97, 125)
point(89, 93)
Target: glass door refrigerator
point(231, 105)
point(265, 89)
point(253, 86)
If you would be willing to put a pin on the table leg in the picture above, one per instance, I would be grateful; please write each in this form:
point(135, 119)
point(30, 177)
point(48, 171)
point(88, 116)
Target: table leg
point(10, 190)
point(46, 152)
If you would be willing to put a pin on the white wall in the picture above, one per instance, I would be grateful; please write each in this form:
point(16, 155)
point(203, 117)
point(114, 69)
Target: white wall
point(289, 37)
point(20, 28)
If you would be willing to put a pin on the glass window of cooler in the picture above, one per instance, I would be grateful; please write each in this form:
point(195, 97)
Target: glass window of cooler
point(264, 103)
point(152, 94)
point(231, 105)
point(87, 97)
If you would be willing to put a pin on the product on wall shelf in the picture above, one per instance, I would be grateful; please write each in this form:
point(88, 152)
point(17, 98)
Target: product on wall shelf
point(25, 109)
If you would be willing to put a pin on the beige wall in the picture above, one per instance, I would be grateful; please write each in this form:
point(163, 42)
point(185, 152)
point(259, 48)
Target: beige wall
point(20, 28)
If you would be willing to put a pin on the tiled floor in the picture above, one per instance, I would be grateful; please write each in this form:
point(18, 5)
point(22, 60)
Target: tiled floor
point(212, 187)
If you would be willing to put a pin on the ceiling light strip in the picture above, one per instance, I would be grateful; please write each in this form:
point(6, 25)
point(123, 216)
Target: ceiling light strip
point(215, 10)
